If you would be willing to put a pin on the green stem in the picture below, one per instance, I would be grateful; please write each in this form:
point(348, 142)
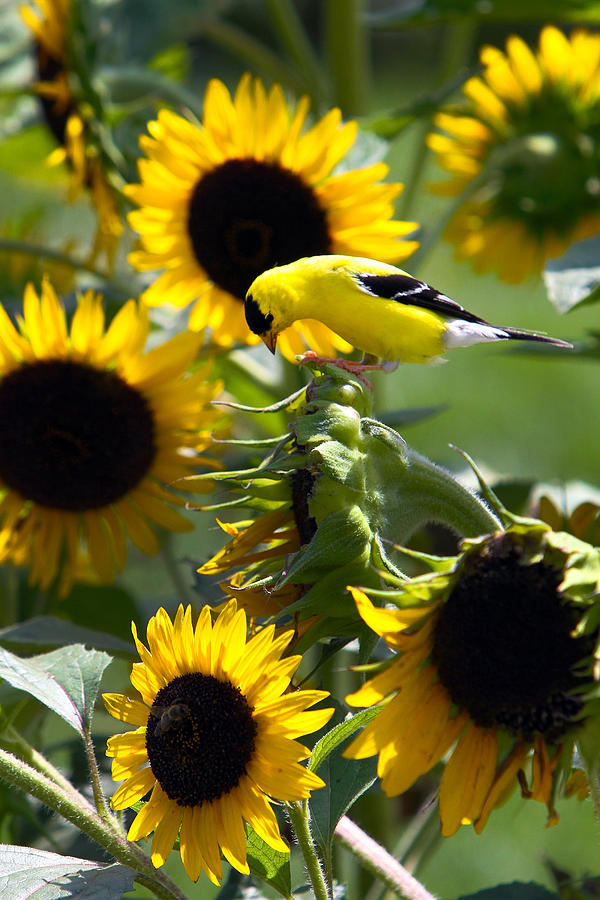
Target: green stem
point(14, 246)
point(592, 771)
point(99, 798)
point(254, 53)
point(134, 78)
point(456, 48)
point(76, 809)
point(347, 49)
point(298, 813)
point(430, 494)
point(432, 235)
point(293, 37)
point(13, 742)
point(379, 862)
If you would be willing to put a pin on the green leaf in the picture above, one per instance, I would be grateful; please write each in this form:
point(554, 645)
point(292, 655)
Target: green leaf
point(30, 874)
point(516, 890)
point(434, 11)
point(101, 608)
point(269, 864)
point(345, 781)
point(48, 632)
point(330, 741)
point(390, 124)
point(65, 680)
point(573, 280)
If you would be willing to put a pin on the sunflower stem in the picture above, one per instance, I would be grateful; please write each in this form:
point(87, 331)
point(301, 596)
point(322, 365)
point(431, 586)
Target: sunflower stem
point(292, 35)
point(163, 893)
point(135, 78)
point(14, 246)
point(347, 47)
point(379, 862)
point(298, 813)
point(74, 807)
point(592, 771)
point(433, 234)
point(99, 798)
point(457, 43)
point(427, 493)
point(253, 52)
point(12, 741)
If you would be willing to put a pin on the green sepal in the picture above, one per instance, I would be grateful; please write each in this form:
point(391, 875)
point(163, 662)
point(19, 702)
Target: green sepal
point(343, 536)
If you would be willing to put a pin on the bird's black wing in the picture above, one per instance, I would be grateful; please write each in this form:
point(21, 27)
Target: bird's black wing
point(409, 290)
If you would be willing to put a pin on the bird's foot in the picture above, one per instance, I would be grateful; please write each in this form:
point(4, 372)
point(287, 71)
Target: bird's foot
point(354, 368)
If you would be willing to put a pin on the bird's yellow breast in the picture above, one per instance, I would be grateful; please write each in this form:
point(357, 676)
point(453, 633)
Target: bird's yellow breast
point(384, 328)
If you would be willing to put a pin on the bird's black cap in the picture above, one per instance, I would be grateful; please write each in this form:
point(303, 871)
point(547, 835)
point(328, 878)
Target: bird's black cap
point(257, 321)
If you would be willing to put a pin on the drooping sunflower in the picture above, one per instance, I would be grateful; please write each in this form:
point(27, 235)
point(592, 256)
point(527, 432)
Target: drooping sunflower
point(214, 738)
point(49, 22)
point(527, 146)
point(223, 201)
point(92, 430)
point(326, 503)
point(495, 663)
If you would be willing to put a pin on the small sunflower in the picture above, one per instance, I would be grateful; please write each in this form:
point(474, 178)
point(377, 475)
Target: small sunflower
point(213, 739)
point(246, 190)
point(495, 664)
point(528, 147)
point(91, 431)
point(49, 22)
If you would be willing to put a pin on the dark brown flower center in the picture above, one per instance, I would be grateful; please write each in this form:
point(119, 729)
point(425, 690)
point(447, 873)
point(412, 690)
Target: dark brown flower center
point(303, 482)
point(56, 117)
point(247, 216)
point(200, 738)
point(503, 646)
point(72, 437)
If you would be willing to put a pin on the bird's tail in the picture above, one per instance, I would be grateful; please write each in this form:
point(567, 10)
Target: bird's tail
point(518, 334)
point(463, 333)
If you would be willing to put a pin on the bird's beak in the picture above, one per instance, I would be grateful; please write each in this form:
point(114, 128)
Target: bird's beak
point(270, 339)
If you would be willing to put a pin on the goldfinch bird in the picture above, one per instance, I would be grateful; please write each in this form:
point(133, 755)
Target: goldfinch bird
point(376, 307)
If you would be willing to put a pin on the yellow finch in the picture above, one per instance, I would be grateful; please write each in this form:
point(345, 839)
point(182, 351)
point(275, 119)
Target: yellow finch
point(374, 306)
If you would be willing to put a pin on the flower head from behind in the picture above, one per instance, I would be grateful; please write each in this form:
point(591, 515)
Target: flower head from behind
point(495, 663)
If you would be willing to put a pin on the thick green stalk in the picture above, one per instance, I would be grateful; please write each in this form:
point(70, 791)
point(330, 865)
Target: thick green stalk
point(379, 862)
point(77, 810)
point(298, 813)
point(293, 37)
point(428, 493)
point(347, 51)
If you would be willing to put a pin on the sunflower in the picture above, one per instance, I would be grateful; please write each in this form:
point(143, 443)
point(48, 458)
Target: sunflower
point(526, 149)
point(91, 431)
point(49, 22)
point(245, 191)
point(213, 739)
point(326, 502)
point(494, 665)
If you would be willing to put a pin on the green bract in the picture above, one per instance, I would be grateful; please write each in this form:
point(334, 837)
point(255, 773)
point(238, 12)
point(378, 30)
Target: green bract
point(346, 488)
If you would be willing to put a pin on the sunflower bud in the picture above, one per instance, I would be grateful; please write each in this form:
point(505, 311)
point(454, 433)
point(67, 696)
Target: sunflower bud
point(496, 663)
point(332, 495)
